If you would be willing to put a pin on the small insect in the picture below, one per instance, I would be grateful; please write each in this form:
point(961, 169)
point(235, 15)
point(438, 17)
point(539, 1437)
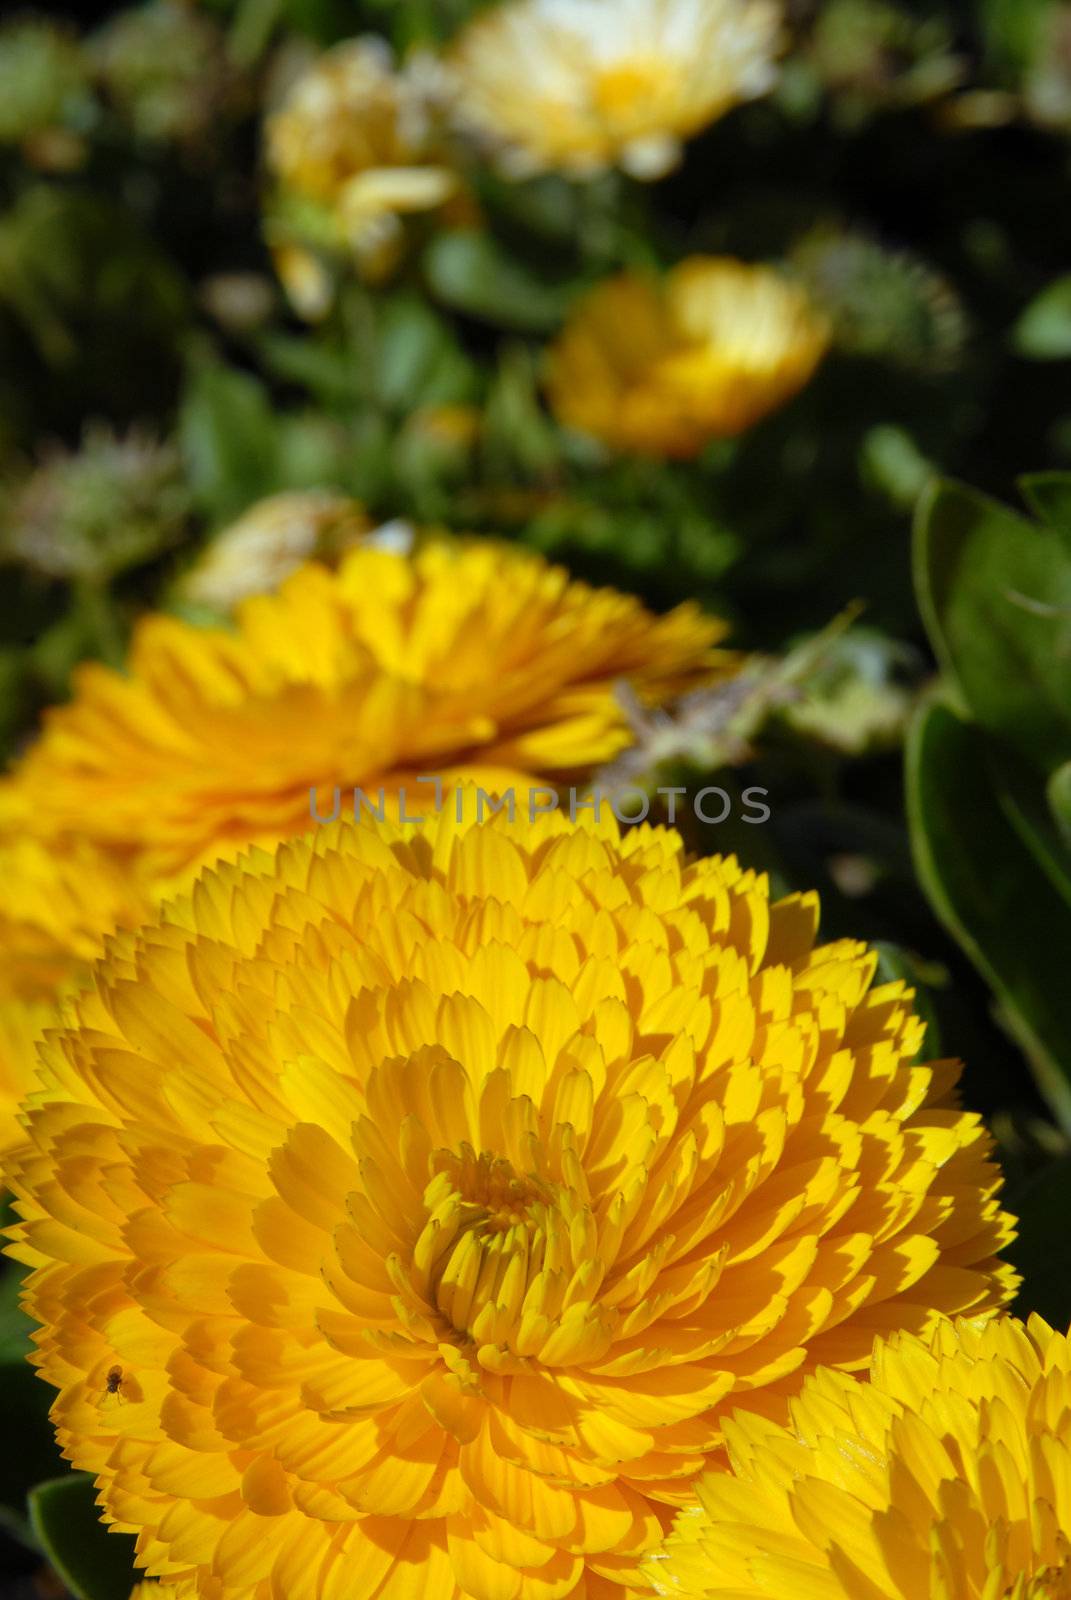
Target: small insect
point(114, 1380)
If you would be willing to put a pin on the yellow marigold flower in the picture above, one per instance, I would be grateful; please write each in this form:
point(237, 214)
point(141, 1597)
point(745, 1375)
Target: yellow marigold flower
point(356, 137)
point(435, 1189)
point(22, 1023)
point(661, 367)
point(388, 668)
point(580, 85)
point(270, 541)
point(58, 906)
point(948, 1476)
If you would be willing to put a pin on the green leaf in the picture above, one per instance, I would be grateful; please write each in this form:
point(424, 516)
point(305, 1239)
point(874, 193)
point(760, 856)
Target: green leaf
point(1059, 794)
point(93, 1562)
point(1048, 494)
point(991, 892)
point(24, 1405)
point(995, 595)
point(228, 433)
point(15, 1325)
point(1043, 331)
point(1042, 1250)
point(471, 272)
point(1024, 801)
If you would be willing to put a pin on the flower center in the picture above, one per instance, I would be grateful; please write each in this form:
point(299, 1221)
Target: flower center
point(627, 88)
point(487, 1236)
point(1054, 1583)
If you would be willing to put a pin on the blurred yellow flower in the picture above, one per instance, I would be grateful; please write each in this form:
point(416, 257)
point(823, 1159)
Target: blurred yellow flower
point(390, 667)
point(270, 541)
point(58, 906)
point(661, 367)
point(22, 1023)
point(435, 1190)
point(947, 1476)
point(356, 137)
point(580, 85)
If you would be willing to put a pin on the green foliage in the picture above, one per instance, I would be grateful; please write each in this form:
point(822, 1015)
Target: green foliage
point(988, 776)
point(1043, 331)
point(94, 1563)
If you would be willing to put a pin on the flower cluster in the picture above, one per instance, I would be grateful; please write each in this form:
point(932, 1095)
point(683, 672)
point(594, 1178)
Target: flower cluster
point(435, 1195)
point(571, 87)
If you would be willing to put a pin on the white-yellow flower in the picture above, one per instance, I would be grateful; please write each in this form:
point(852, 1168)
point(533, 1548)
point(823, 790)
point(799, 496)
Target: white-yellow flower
point(580, 85)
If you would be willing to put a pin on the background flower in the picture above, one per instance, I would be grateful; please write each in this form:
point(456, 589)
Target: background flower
point(356, 137)
point(433, 1189)
point(663, 367)
point(579, 85)
point(59, 904)
point(269, 542)
point(389, 668)
point(949, 1473)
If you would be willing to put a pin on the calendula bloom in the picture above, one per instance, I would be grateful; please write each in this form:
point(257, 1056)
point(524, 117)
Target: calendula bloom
point(356, 139)
point(22, 1024)
point(580, 85)
point(388, 668)
point(436, 1189)
point(662, 366)
point(947, 1476)
point(270, 541)
point(58, 906)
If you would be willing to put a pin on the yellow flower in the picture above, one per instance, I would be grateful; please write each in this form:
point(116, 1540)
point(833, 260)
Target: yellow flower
point(58, 906)
point(22, 1023)
point(580, 85)
point(389, 668)
point(662, 367)
point(947, 1477)
point(356, 137)
point(437, 1189)
point(270, 541)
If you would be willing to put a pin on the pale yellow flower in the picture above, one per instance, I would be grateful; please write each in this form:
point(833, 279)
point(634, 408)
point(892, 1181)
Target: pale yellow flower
point(946, 1477)
point(580, 85)
point(356, 137)
point(662, 366)
point(439, 1190)
point(270, 541)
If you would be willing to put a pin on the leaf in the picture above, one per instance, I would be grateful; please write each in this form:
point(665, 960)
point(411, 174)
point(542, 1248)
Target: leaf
point(1048, 494)
point(15, 1325)
point(1043, 331)
point(990, 891)
point(411, 340)
point(93, 1562)
point(24, 1406)
point(471, 272)
point(1042, 1250)
point(228, 434)
point(1059, 795)
point(995, 595)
